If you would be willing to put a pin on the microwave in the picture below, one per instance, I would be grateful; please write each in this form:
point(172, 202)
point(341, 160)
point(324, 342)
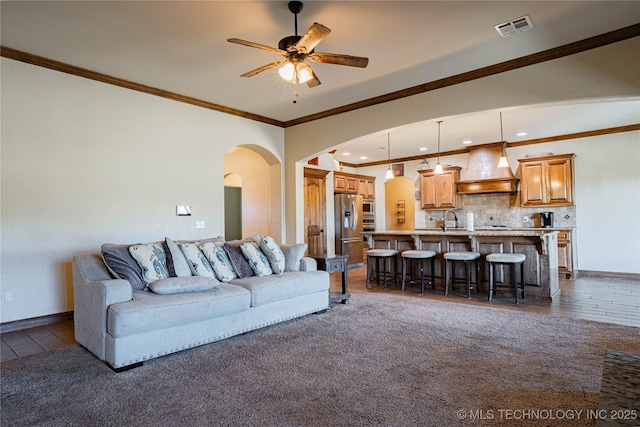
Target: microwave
point(368, 207)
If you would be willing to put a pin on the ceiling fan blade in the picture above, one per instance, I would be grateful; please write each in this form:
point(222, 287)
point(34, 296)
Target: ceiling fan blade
point(339, 59)
point(263, 68)
point(257, 45)
point(311, 38)
point(315, 81)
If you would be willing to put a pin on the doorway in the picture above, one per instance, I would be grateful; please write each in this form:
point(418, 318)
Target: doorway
point(232, 213)
point(315, 206)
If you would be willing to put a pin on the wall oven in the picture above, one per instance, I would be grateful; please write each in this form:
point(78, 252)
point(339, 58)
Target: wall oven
point(368, 215)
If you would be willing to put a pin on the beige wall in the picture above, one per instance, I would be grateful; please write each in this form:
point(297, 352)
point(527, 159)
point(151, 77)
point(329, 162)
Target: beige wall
point(84, 163)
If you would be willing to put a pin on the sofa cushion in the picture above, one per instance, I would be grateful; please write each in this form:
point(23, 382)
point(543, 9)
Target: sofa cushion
point(278, 287)
point(149, 312)
point(219, 260)
point(152, 261)
point(239, 262)
point(199, 264)
point(121, 264)
point(176, 285)
point(274, 254)
point(258, 262)
point(178, 261)
point(293, 255)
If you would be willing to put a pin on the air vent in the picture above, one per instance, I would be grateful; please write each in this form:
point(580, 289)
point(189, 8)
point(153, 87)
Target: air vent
point(517, 25)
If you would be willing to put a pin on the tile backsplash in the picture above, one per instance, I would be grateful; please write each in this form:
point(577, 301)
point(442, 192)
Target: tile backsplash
point(502, 209)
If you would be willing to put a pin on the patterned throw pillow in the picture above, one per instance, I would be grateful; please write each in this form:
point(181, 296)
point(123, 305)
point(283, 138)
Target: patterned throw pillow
point(219, 260)
point(152, 261)
point(274, 254)
point(197, 260)
point(258, 262)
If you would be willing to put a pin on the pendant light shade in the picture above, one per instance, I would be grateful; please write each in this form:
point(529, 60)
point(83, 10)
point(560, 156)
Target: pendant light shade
point(504, 161)
point(389, 173)
point(438, 168)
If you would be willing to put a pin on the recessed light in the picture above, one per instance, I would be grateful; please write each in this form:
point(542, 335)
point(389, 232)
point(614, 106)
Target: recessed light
point(346, 154)
point(423, 148)
point(521, 134)
point(467, 142)
point(363, 157)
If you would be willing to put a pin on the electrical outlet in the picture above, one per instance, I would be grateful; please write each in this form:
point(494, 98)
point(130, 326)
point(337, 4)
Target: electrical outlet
point(8, 296)
point(200, 224)
point(526, 219)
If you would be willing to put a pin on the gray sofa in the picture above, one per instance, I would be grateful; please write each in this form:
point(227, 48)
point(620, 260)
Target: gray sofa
point(125, 327)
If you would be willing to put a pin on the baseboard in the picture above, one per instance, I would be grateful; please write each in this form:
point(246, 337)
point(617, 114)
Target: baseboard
point(35, 322)
point(609, 275)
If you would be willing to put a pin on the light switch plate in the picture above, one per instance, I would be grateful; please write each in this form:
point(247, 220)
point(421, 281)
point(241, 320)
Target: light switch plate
point(199, 224)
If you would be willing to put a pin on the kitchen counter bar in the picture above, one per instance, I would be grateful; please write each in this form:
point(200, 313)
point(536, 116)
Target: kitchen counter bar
point(540, 245)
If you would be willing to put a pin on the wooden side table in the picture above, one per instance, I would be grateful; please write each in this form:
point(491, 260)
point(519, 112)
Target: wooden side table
point(336, 264)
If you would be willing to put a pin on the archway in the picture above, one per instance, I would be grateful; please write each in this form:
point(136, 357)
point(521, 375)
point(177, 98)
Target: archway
point(399, 204)
point(259, 173)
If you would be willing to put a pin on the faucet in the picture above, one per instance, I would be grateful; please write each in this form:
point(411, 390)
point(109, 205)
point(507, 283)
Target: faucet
point(444, 220)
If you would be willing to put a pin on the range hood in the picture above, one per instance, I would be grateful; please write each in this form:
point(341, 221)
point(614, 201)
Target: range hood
point(483, 175)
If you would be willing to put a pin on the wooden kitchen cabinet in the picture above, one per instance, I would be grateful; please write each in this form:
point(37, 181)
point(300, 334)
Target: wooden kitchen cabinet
point(547, 181)
point(438, 191)
point(367, 187)
point(565, 253)
point(348, 183)
point(343, 183)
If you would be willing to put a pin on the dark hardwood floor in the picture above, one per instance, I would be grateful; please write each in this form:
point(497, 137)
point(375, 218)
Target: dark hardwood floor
point(610, 300)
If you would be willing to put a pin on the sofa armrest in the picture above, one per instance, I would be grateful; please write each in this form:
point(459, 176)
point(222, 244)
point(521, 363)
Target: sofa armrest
point(308, 264)
point(91, 302)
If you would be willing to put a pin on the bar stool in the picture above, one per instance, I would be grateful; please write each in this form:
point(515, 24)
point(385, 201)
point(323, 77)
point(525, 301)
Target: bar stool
point(385, 255)
point(413, 256)
point(468, 258)
point(506, 259)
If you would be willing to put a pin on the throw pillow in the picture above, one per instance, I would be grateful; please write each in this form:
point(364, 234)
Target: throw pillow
point(121, 265)
point(197, 260)
point(258, 262)
point(274, 254)
point(239, 262)
point(219, 260)
point(178, 261)
point(292, 255)
point(152, 260)
point(177, 285)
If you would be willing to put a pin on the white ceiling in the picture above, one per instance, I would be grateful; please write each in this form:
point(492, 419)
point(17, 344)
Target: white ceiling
point(181, 47)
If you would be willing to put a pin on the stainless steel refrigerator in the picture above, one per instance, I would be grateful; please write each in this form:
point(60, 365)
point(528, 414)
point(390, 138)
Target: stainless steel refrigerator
point(348, 224)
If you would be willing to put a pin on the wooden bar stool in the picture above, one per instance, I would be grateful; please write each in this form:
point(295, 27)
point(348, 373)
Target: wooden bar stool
point(384, 255)
point(413, 256)
point(506, 259)
point(468, 258)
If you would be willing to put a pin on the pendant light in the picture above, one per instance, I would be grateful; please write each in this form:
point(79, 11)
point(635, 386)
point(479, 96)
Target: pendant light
point(389, 174)
point(438, 168)
point(503, 162)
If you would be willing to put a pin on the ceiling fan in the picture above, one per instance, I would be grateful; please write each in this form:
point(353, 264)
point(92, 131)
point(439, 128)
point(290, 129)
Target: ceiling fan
point(297, 49)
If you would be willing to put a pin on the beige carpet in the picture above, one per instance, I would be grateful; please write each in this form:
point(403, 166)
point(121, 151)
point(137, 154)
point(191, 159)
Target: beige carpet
point(382, 360)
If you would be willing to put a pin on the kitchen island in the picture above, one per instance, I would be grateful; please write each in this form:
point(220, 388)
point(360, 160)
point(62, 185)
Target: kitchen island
point(539, 245)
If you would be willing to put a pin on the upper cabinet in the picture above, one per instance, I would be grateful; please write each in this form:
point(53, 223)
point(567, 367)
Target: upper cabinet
point(344, 182)
point(547, 181)
point(438, 191)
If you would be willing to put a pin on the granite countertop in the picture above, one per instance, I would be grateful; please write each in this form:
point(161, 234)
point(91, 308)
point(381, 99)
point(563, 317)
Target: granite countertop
point(499, 231)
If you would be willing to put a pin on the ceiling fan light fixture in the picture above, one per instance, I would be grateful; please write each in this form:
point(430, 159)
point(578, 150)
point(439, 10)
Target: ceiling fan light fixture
point(296, 73)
